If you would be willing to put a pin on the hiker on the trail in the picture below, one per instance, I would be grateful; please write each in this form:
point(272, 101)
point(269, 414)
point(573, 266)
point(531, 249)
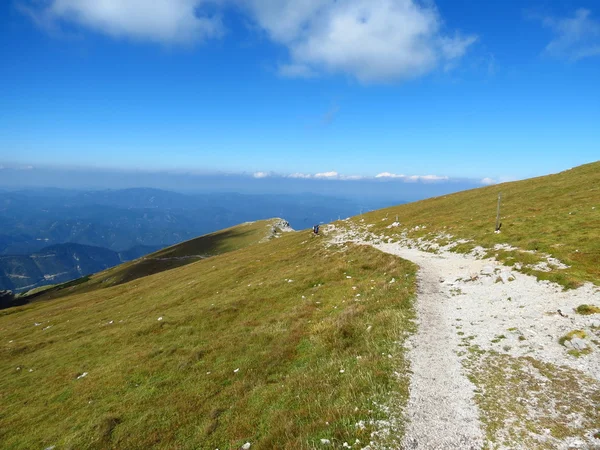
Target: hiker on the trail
point(316, 229)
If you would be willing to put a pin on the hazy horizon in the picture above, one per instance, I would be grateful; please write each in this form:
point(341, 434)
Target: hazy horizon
point(383, 188)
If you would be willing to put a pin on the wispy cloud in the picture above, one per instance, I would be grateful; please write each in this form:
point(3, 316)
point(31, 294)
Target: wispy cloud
point(488, 181)
point(372, 41)
point(296, 71)
point(333, 175)
point(299, 175)
point(388, 175)
point(326, 175)
point(575, 37)
point(412, 178)
point(330, 115)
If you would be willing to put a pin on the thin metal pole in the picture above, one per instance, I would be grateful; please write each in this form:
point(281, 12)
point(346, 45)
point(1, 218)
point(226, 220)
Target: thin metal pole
point(498, 212)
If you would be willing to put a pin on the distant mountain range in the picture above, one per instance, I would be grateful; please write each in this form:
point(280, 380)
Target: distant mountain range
point(50, 236)
point(122, 219)
point(60, 263)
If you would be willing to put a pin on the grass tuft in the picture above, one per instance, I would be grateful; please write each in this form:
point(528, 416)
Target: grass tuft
point(587, 309)
point(572, 334)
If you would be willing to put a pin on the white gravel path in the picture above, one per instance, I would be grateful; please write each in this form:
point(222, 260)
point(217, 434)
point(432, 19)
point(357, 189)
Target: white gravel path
point(441, 413)
point(462, 296)
point(479, 298)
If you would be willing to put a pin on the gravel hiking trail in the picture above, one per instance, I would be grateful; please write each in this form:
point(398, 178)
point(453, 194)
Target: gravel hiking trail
point(441, 413)
point(466, 301)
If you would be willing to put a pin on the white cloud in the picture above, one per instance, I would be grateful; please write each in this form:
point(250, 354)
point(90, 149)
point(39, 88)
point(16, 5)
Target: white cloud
point(488, 181)
point(413, 178)
point(333, 175)
point(388, 175)
point(380, 40)
point(575, 38)
point(164, 21)
point(432, 178)
point(326, 175)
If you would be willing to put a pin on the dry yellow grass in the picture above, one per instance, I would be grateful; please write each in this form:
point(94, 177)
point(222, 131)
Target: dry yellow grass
point(241, 353)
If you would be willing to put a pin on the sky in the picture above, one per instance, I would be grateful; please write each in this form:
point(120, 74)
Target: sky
point(412, 91)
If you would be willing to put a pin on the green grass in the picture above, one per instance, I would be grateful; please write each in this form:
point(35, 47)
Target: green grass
point(587, 309)
point(173, 383)
point(557, 215)
point(572, 334)
point(223, 241)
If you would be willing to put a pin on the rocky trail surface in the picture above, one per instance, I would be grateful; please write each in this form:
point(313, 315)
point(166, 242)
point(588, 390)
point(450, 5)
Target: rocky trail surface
point(477, 319)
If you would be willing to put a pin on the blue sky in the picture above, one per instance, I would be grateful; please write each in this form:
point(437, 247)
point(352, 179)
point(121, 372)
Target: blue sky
point(488, 90)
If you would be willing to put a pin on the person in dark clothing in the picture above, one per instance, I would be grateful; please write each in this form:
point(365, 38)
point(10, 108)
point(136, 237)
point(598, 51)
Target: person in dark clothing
point(316, 229)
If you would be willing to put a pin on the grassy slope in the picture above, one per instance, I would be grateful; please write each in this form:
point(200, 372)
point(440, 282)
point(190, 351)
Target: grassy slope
point(172, 383)
point(556, 214)
point(178, 255)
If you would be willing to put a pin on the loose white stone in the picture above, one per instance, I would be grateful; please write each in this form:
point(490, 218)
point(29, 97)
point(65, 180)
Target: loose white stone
point(579, 344)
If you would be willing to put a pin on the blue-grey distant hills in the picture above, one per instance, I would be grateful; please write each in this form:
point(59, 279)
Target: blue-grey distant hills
point(60, 263)
point(49, 236)
point(119, 220)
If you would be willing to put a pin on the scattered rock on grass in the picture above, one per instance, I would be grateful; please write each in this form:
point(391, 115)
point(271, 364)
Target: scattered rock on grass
point(578, 343)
